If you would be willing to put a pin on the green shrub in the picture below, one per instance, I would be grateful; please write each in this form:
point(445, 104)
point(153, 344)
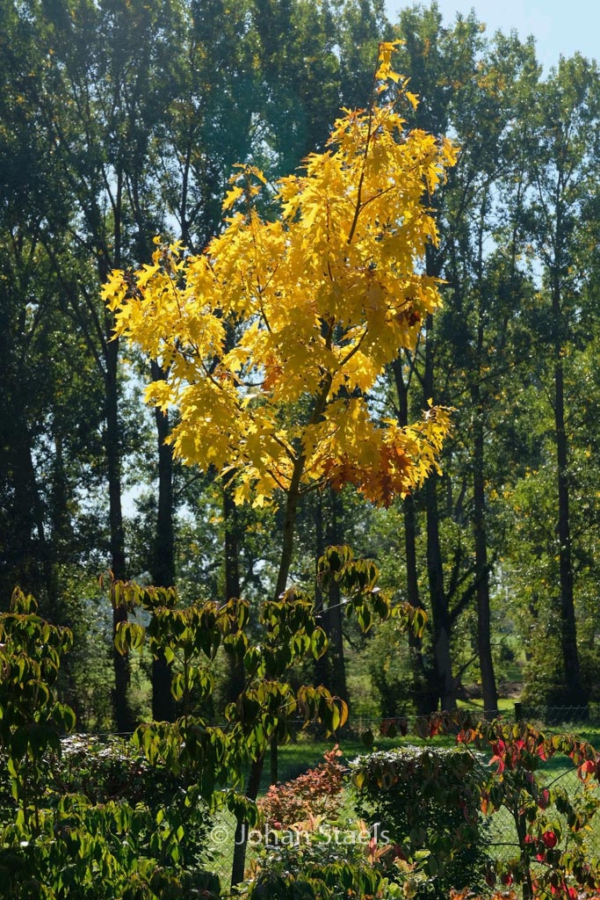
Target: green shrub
point(79, 819)
point(314, 868)
point(310, 845)
point(114, 770)
point(427, 800)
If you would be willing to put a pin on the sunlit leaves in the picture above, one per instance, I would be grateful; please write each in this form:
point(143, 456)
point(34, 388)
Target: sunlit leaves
point(320, 296)
point(358, 583)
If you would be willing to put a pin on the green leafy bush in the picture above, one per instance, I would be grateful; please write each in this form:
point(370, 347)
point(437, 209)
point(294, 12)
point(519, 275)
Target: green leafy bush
point(427, 800)
point(77, 819)
point(310, 845)
point(315, 867)
point(115, 771)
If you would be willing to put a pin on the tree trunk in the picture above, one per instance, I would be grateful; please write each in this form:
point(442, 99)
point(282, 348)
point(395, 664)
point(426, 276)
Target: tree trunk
point(482, 572)
point(28, 519)
point(424, 682)
point(122, 711)
point(331, 667)
point(236, 676)
point(289, 524)
point(321, 665)
point(335, 618)
point(274, 761)
point(241, 831)
point(482, 575)
point(439, 604)
point(435, 568)
point(574, 694)
point(163, 566)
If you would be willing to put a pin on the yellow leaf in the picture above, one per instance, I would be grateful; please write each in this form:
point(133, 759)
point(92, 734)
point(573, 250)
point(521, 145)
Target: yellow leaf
point(231, 197)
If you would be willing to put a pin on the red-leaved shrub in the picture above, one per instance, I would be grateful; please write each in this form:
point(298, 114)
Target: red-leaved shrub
point(315, 793)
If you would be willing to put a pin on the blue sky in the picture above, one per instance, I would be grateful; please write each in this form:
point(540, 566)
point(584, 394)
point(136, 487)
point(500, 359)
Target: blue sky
point(559, 26)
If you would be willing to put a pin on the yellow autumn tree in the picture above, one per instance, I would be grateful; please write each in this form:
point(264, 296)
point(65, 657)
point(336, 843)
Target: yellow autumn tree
point(274, 336)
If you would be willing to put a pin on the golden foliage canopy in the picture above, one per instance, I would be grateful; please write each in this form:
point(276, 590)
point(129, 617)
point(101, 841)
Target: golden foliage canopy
point(274, 335)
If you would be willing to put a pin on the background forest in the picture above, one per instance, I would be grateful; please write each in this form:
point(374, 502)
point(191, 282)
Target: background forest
point(123, 120)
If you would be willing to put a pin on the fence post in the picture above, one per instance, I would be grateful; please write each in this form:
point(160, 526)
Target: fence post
point(518, 711)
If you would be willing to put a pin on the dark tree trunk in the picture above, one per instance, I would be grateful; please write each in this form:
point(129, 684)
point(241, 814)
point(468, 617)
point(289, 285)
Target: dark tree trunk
point(241, 831)
point(321, 665)
point(574, 694)
point(482, 574)
point(425, 691)
point(274, 774)
point(482, 570)
point(424, 681)
point(232, 557)
point(163, 566)
point(236, 678)
point(435, 568)
point(334, 617)
point(122, 711)
point(289, 525)
point(439, 604)
point(33, 570)
point(331, 667)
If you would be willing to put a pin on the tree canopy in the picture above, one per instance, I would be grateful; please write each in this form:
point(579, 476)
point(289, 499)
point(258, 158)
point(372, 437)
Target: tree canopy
point(274, 335)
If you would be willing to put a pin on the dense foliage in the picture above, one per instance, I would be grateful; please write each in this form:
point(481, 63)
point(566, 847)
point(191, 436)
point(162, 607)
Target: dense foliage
point(316, 792)
point(428, 799)
point(99, 821)
point(304, 399)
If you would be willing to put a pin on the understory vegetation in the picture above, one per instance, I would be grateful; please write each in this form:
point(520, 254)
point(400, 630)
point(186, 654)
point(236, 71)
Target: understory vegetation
point(155, 816)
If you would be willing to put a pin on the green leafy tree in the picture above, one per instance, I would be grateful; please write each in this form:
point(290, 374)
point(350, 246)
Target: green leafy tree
point(474, 89)
point(563, 178)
